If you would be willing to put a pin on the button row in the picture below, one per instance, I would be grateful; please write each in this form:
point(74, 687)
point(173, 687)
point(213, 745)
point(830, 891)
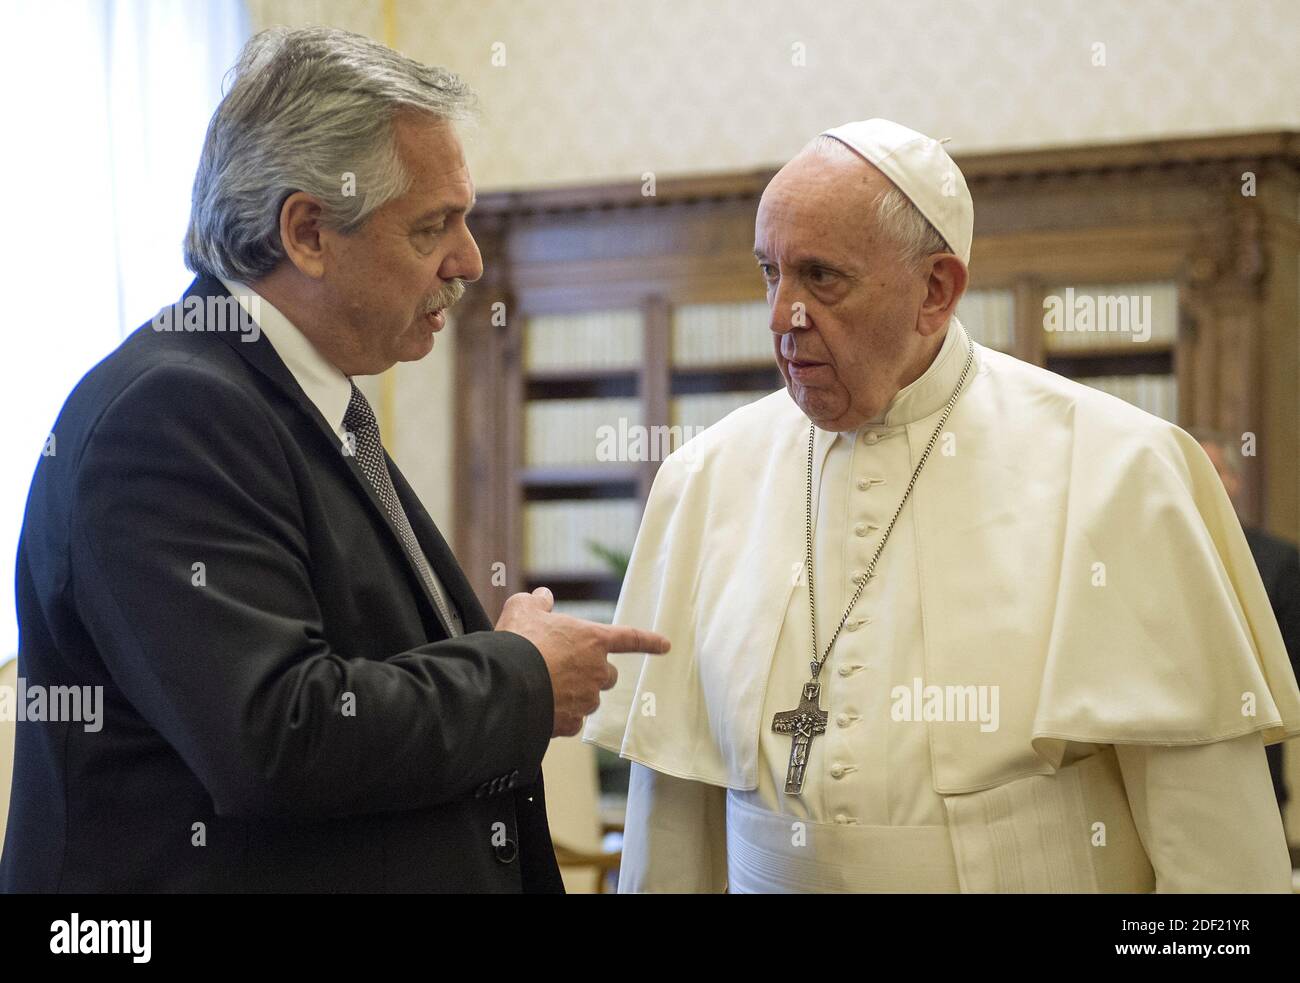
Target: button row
point(502, 783)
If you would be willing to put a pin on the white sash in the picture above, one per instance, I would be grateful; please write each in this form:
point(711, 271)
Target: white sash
point(769, 853)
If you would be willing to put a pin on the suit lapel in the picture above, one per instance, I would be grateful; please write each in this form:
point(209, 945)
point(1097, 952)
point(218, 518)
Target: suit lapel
point(440, 555)
point(261, 354)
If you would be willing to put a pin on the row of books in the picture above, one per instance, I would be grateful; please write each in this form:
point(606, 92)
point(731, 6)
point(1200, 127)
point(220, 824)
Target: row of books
point(1074, 317)
point(1157, 394)
point(568, 535)
point(589, 432)
point(722, 334)
point(563, 432)
point(1119, 315)
point(589, 340)
point(705, 409)
point(989, 317)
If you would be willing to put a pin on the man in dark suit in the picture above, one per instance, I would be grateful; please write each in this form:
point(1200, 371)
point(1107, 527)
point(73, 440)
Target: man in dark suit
point(1279, 568)
point(300, 691)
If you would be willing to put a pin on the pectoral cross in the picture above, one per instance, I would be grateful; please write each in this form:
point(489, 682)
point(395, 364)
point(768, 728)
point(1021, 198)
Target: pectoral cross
point(803, 723)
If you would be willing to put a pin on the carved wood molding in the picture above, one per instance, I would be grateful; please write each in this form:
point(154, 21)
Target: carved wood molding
point(987, 171)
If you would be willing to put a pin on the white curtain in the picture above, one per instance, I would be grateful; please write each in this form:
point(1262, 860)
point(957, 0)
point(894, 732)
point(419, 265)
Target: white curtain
point(105, 103)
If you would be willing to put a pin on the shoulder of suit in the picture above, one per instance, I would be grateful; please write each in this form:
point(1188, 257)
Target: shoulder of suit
point(154, 375)
point(188, 359)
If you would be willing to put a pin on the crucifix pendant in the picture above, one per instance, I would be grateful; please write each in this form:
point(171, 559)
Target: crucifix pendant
point(803, 723)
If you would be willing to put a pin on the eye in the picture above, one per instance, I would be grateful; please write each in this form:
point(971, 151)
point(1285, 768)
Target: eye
point(820, 275)
point(768, 270)
point(424, 240)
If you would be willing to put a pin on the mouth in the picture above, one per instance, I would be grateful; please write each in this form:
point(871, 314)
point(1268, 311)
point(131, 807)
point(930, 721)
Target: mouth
point(437, 319)
point(804, 369)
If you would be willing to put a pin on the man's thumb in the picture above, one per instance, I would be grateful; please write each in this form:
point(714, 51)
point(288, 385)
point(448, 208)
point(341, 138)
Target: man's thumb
point(544, 595)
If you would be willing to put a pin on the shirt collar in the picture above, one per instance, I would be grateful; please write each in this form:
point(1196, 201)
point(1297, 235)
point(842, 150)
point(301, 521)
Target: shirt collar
point(322, 382)
point(930, 391)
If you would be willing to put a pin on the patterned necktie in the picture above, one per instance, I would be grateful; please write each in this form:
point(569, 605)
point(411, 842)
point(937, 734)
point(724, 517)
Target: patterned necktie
point(359, 421)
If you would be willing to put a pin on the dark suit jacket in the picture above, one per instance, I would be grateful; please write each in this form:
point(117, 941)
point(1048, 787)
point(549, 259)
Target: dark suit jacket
point(1279, 568)
point(290, 716)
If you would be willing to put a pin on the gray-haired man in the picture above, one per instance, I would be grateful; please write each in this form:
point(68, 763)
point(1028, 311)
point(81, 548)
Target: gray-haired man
point(301, 691)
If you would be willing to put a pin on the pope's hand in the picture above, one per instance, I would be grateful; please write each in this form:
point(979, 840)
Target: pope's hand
point(575, 652)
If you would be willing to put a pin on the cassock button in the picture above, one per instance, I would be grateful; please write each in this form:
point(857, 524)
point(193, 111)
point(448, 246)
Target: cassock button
point(863, 484)
point(506, 852)
point(842, 719)
point(871, 437)
point(860, 529)
point(841, 818)
point(837, 771)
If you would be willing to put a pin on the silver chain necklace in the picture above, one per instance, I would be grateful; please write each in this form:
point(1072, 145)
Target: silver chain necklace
point(808, 719)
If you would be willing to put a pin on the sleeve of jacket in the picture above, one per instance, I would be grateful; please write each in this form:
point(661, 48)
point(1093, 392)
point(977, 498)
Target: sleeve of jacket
point(191, 573)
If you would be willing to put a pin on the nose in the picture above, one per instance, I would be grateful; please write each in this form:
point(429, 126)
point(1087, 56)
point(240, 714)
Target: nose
point(788, 311)
point(464, 260)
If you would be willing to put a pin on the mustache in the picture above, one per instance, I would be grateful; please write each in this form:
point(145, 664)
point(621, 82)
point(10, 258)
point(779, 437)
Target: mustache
point(447, 296)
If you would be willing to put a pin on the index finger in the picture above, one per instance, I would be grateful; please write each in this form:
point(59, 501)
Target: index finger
point(623, 639)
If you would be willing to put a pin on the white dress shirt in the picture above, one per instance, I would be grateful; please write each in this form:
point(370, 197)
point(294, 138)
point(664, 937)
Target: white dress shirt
point(328, 388)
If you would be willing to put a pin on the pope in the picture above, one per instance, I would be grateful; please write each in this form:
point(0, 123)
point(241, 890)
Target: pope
point(942, 620)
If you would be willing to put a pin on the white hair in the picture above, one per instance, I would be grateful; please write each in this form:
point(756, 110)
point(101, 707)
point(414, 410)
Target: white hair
point(899, 219)
point(307, 108)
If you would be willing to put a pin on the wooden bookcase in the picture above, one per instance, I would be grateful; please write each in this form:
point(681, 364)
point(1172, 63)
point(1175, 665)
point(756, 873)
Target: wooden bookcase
point(1168, 212)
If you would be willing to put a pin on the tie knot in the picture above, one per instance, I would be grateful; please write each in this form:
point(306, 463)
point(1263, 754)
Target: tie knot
point(358, 416)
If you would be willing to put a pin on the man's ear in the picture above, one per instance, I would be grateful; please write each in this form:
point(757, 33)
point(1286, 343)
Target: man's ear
point(300, 233)
point(946, 280)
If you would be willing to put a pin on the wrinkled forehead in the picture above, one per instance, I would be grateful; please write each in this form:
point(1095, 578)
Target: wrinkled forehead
point(434, 159)
point(817, 198)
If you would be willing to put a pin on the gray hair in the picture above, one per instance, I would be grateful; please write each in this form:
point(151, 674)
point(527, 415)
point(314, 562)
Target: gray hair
point(899, 219)
point(307, 107)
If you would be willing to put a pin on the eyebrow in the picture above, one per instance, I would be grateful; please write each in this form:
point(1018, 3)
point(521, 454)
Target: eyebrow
point(803, 262)
point(446, 210)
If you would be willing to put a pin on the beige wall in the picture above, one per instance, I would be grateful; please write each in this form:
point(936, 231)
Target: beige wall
point(609, 90)
point(594, 89)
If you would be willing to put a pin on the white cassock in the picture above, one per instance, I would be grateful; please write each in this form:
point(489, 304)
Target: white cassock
point(1061, 678)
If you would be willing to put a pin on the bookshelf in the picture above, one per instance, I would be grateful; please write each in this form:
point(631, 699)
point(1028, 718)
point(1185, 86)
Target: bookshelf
point(604, 314)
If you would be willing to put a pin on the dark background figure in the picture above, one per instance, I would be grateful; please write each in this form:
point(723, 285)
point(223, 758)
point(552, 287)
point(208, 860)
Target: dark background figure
point(1279, 567)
